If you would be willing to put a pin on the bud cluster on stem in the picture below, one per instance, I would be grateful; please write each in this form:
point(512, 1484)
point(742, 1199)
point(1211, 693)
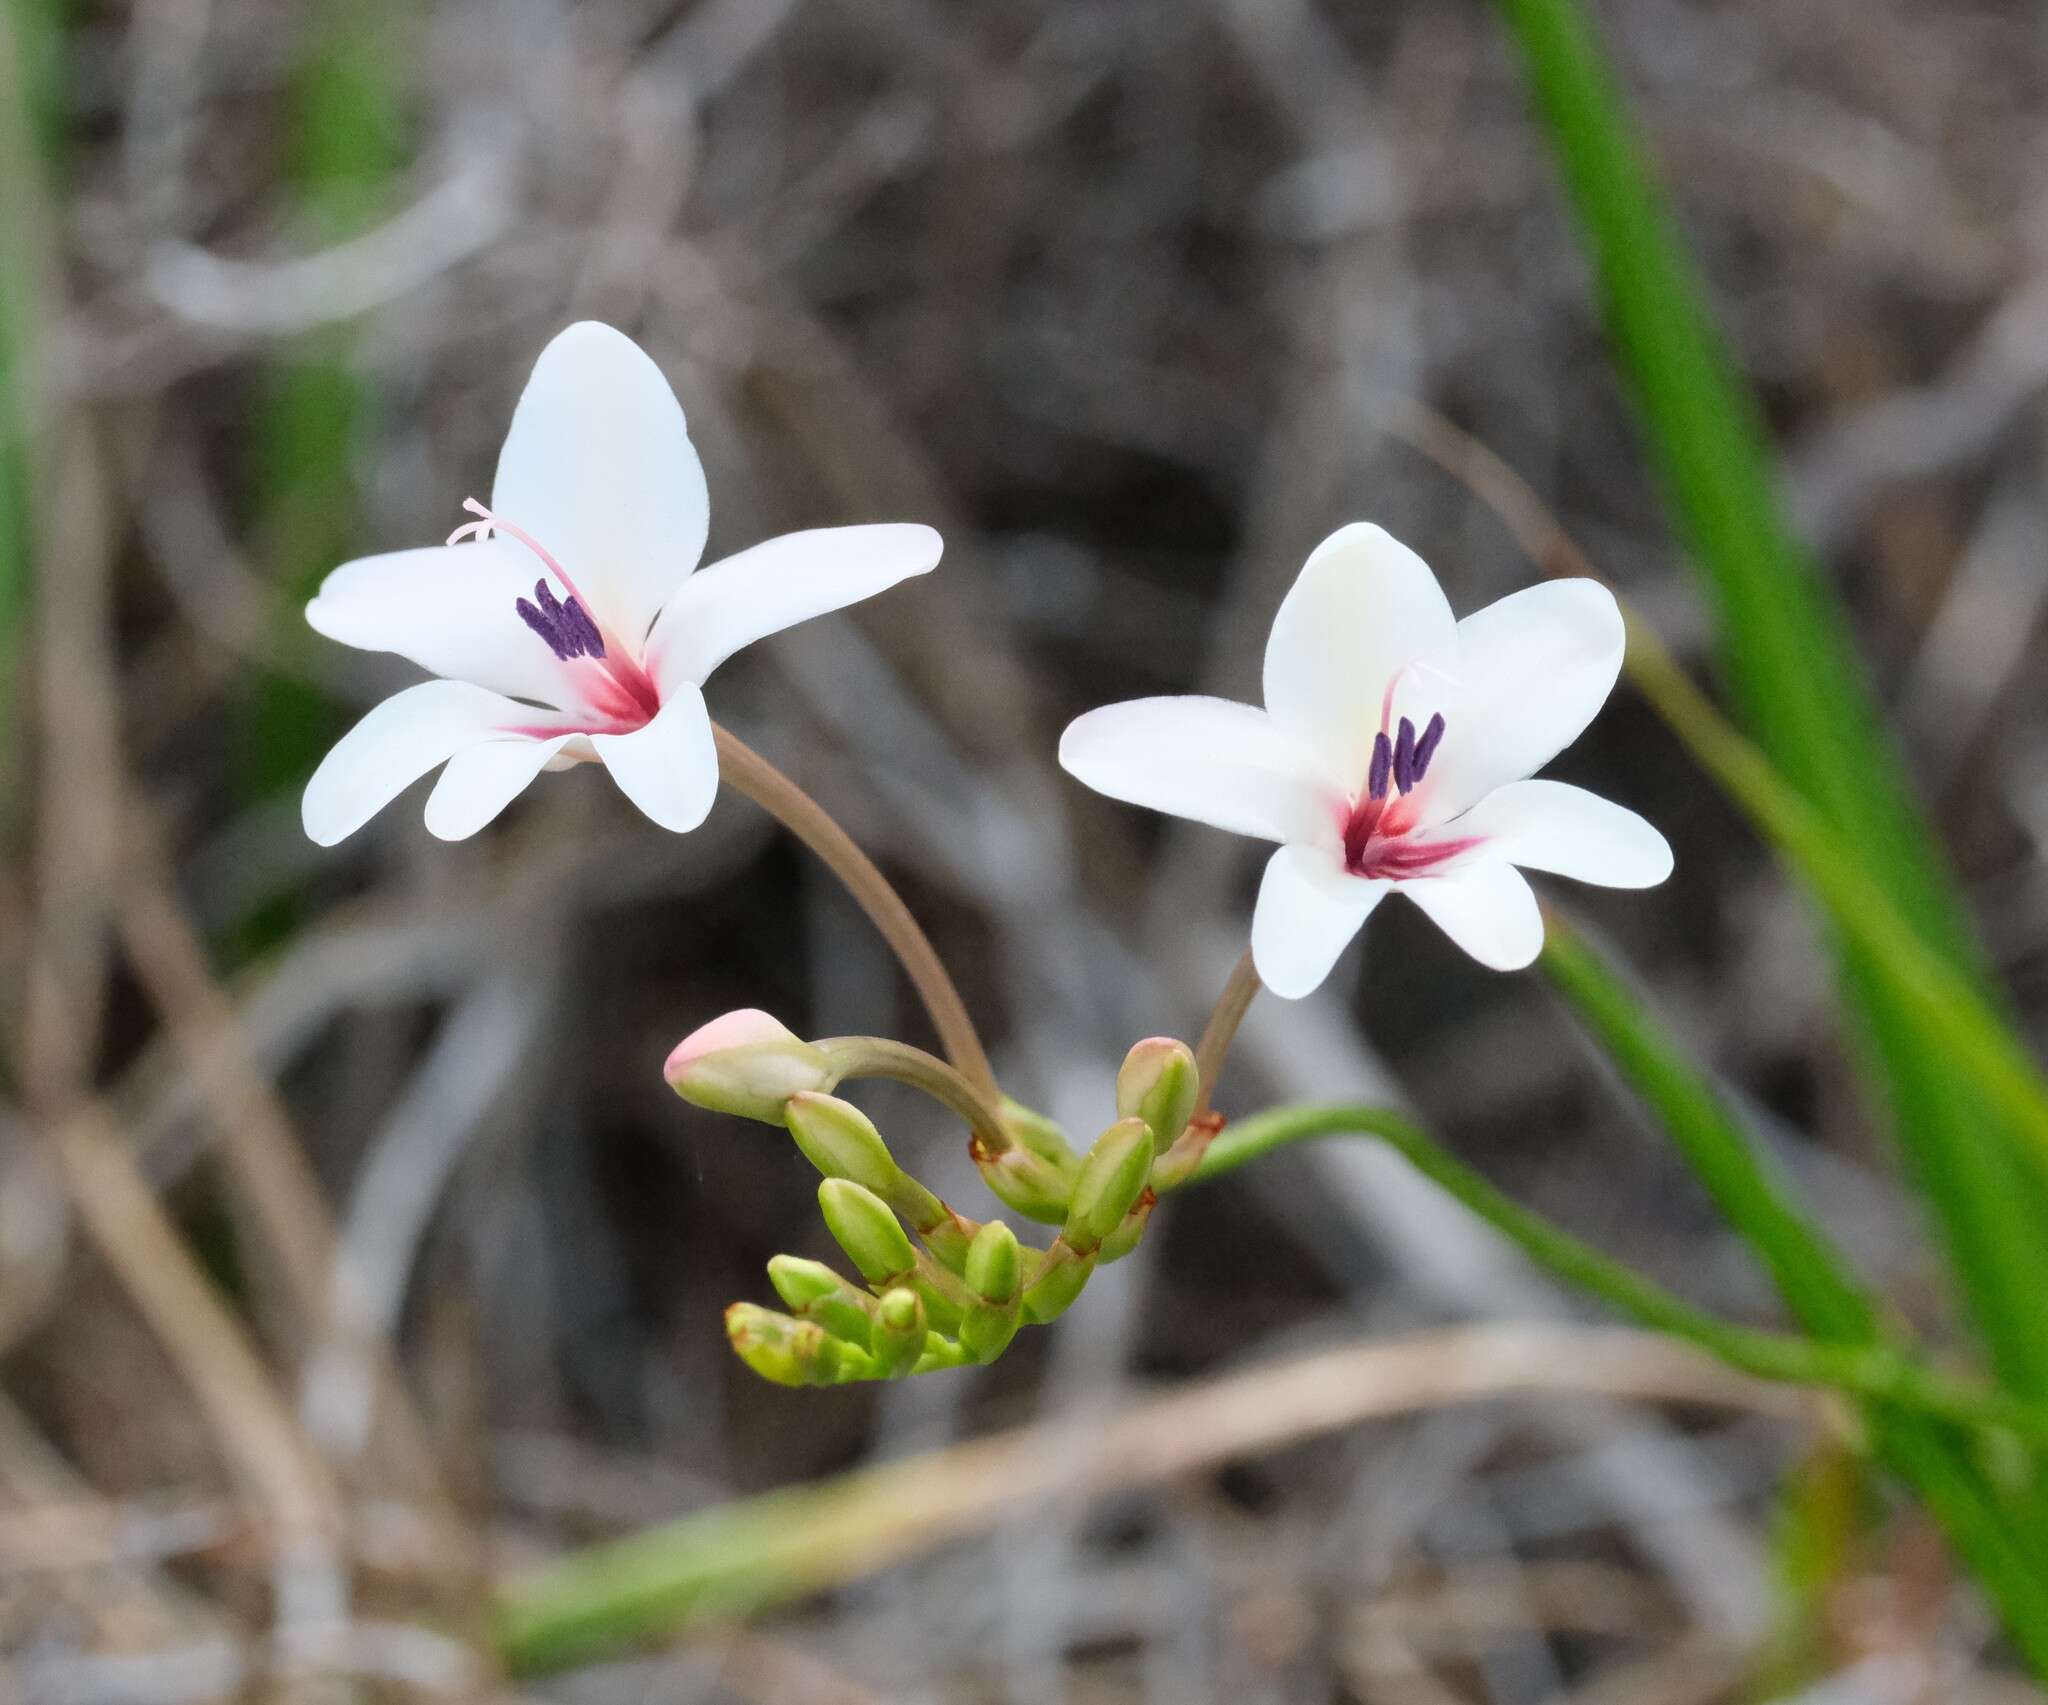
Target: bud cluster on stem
point(962, 1297)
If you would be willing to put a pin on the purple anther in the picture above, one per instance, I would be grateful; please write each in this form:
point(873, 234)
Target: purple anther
point(1382, 762)
point(577, 620)
point(1404, 756)
point(566, 627)
point(1425, 748)
point(542, 626)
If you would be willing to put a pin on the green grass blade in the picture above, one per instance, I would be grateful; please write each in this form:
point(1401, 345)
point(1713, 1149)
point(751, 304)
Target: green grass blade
point(1794, 673)
point(1910, 1409)
point(1815, 1278)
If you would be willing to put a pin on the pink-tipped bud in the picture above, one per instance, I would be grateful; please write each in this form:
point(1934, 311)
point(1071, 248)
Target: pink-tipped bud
point(1159, 1083)
point(746, 1063)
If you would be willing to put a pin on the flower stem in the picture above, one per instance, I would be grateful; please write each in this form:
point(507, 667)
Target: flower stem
point(744, 769)
point(878, 1056)
point(1231, 1006)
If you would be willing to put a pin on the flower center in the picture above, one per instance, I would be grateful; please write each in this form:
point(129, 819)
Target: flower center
point(621, 689)
point(1378, 823)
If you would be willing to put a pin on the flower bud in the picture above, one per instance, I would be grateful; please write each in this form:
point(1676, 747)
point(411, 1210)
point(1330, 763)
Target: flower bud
point(745, 1063)
point(986, 1329)
point(1112, 1178)
point(1040, 1135)
point(995, 1264)
point(899, 1332)
point(866, 1229)
point(841, 1141)
point(1159, 1083)
point(791, 1352)
point(1057, 1282)
point(1127, 1236)
point(813, 1290)
point(1027, 1182)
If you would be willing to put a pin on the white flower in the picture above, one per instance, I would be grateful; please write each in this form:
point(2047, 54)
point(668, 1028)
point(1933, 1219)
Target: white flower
point(573, 628)
point(1392, 756)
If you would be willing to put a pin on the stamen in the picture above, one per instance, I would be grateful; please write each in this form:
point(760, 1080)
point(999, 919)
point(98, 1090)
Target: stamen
point(578, 620)
point(545, 628)
point(1404, 756)
point(1382, 762)
point(1425, 748)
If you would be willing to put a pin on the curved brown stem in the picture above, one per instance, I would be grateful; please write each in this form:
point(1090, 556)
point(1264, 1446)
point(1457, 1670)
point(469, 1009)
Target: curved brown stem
point(1231, 1006)
point(740, 766)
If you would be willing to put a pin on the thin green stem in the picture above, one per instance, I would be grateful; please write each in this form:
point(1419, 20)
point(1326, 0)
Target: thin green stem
point(1873, 1373)
point(745, 770)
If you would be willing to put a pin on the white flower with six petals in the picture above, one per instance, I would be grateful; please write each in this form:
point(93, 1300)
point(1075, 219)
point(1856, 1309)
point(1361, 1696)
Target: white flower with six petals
point(577, 625)
point(1393, 755)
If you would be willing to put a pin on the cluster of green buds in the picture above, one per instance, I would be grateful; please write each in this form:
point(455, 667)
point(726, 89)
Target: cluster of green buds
point(957, 1294)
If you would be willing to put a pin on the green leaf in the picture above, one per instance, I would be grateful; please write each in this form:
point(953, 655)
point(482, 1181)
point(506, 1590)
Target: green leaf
point(1794, 673)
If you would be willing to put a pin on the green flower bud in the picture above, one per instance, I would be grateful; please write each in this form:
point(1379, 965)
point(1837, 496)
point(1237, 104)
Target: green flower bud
point(1112, 1178)
point(746, 1063)
point(940, 1353)
point(899, 1332)
point(841, 1141)
point(945, 1298)
point(1027, 1182)
point(813, 1290)
point(995, 1264)
point(1034, 1131)
point(1051, 1291)
point(866, 1229)
point(792, 1352)
point(1159, 1083)
point(1127, 1236)
point(986, 1330)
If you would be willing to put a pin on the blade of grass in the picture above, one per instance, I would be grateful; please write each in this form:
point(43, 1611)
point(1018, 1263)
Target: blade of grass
point(1794, 673)
point(1812, 1275)
point(1871, 1371)
point(346, 129)
point(31, 109)
point(1909, 1408)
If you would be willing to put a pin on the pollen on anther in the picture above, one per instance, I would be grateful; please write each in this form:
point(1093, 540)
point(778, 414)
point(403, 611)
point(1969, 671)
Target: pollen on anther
point(1382, 762)
point(1425, 748)
point(1404, 756)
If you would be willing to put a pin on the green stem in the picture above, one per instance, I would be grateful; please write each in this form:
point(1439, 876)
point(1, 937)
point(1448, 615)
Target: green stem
point(900, 1062)
point(1873, 1373)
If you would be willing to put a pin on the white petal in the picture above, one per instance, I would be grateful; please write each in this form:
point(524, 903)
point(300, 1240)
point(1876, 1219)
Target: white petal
point(1533, 670)
point(479, 781)
point(1364, 610)
point(777, 584)
point(1485, 906)
point(599, 468)
point(393, 746)
point(450, 609)
point(1309, 909)
point(1217, 762)
point(1551, 825)
point(669, 768)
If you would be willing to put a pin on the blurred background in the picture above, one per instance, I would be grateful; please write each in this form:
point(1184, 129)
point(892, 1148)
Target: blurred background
point(341, 1189)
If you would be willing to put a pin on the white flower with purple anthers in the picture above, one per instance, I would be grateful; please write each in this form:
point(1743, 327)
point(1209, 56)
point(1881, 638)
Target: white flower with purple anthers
point(1392, 755)
point(576, 627)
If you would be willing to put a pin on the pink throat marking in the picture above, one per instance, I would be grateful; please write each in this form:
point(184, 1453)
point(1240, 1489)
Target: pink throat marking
point(1378, 823)
point(614, 684)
